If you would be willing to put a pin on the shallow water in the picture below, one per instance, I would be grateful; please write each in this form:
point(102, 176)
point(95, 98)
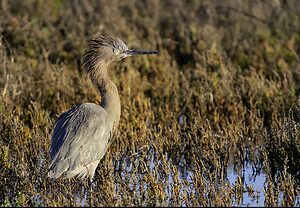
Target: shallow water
point(249, 178)
point(127, 171)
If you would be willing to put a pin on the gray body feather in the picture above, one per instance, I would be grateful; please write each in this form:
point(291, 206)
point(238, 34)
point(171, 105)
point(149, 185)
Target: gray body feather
point(77, 149)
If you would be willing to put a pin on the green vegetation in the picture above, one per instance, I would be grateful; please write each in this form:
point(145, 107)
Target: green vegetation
point(226, 82)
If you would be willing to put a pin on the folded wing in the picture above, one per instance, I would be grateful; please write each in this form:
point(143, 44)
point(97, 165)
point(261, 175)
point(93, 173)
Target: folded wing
point(79, 139)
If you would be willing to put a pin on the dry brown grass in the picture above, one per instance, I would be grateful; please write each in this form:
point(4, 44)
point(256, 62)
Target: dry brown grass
point(227, 82)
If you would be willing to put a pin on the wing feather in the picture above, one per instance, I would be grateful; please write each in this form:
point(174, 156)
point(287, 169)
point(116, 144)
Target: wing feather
point(79, 138)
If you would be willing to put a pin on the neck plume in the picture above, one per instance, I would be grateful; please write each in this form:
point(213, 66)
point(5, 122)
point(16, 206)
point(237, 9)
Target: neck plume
point(110, 100)
point(95, 62)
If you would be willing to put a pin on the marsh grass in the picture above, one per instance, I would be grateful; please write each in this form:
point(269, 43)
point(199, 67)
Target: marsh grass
point(223, 91)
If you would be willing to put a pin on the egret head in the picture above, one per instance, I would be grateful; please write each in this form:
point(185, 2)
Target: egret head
point(102, 50)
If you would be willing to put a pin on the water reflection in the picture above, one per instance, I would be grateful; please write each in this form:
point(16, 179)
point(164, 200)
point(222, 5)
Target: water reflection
point(250, 178)
point(145, 171)
point(251, 175)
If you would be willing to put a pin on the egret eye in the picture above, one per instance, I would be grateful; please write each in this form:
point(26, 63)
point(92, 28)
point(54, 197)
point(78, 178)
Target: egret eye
point(116, 51)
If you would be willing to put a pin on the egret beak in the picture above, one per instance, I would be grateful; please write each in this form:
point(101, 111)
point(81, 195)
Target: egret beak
point(132, 52)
